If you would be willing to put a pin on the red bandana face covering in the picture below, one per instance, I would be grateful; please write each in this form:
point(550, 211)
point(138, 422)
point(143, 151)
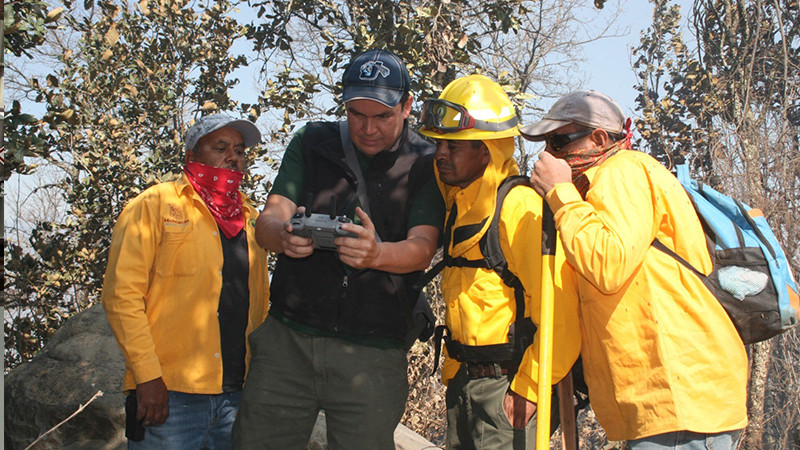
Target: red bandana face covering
point(219, 189)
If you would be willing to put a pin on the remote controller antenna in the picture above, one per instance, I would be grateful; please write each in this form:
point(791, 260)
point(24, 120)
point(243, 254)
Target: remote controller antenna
point(333, 207)
point(309, 199)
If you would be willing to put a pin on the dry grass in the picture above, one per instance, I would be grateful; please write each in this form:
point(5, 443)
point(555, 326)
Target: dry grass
point(425, 408)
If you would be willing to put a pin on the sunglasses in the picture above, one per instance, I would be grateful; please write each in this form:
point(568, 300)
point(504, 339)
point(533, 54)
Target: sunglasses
point(443, 116)
point(558, 141)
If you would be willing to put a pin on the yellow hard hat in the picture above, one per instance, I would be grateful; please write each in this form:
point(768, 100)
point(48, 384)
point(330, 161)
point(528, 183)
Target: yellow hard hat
point(471, 108)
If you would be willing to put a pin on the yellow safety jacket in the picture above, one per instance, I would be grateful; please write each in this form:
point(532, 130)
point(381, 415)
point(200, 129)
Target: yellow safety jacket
point(162, 286)
point(659, 352)
point(480, 306)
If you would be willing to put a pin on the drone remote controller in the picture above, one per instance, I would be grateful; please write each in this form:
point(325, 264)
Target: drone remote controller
point(321, 228)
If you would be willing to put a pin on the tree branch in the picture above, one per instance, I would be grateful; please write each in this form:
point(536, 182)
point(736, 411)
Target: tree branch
point(78, 411)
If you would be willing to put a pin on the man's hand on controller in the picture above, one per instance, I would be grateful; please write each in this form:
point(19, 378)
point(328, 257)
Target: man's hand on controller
point(361, 252)
point(295, 246)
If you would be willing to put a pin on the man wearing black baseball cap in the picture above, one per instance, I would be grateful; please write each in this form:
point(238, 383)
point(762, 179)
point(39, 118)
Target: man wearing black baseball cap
point(339, 319)
point(186, 283)
point(664, 364)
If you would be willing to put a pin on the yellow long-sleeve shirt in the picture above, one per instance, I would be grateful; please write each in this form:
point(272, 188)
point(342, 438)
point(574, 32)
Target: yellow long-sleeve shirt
point(480, 307)
point(162, 287)
point(659, 352)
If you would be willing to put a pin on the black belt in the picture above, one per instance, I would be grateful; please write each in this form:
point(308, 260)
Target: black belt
point(477, 355)
point(488, 370)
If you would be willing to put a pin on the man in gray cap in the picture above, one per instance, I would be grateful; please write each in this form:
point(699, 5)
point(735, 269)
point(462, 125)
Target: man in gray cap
point(339, 316)
point(663, 362)
point(186, 282)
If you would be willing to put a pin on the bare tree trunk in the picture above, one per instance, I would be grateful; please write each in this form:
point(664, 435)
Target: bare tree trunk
point(3, 175)
point(759, 364)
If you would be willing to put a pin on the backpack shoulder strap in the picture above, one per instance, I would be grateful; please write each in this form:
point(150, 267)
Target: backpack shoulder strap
point(493, 257)
point(490, 242)
point(523, 331)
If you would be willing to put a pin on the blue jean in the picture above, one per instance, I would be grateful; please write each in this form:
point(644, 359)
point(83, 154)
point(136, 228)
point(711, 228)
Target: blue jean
point(196, 421)
point(687, 440)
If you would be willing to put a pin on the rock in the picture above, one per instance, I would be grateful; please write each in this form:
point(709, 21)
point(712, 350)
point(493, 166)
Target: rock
point(81, 359)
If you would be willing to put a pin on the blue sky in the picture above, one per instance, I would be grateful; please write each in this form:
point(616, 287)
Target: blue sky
point(608, 67)
point(609, 60)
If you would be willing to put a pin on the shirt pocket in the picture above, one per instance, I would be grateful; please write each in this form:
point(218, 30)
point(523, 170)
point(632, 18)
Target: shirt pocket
point(177, 254)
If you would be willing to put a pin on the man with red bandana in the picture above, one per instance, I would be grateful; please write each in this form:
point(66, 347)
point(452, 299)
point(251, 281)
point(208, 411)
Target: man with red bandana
point(186, 282)
point(664, 364)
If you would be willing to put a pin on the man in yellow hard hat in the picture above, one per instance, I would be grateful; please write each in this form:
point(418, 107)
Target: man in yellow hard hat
point(492, 314)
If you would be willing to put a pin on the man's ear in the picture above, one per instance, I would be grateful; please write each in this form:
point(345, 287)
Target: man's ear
point(407, 106)
point(600, 137)
point(487, 157)
point(189, 156)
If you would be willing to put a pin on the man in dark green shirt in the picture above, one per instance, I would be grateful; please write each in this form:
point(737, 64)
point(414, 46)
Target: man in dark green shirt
point(334, 339)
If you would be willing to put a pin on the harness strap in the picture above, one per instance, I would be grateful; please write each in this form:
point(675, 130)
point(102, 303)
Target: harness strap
point(448, 261)
point(521, 333)
point(509, 352)
point(479, 353)
point(438, 332)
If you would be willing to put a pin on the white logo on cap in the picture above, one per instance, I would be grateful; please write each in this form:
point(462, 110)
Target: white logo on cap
point(370, 70)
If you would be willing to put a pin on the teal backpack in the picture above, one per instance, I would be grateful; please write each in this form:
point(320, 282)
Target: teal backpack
point(751, 277)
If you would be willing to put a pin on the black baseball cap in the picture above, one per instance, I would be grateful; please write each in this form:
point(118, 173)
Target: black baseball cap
point(377, 75)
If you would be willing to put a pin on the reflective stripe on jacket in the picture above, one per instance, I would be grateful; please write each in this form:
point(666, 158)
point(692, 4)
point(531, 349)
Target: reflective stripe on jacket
point(659, 352)
point(162, 286)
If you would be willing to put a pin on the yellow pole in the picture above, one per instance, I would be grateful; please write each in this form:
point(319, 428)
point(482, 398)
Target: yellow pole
point(545, 374)
point(546, 330)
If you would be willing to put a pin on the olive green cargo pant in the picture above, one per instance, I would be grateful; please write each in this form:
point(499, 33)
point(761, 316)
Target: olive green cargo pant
point(293, 375)
point(476, 418)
